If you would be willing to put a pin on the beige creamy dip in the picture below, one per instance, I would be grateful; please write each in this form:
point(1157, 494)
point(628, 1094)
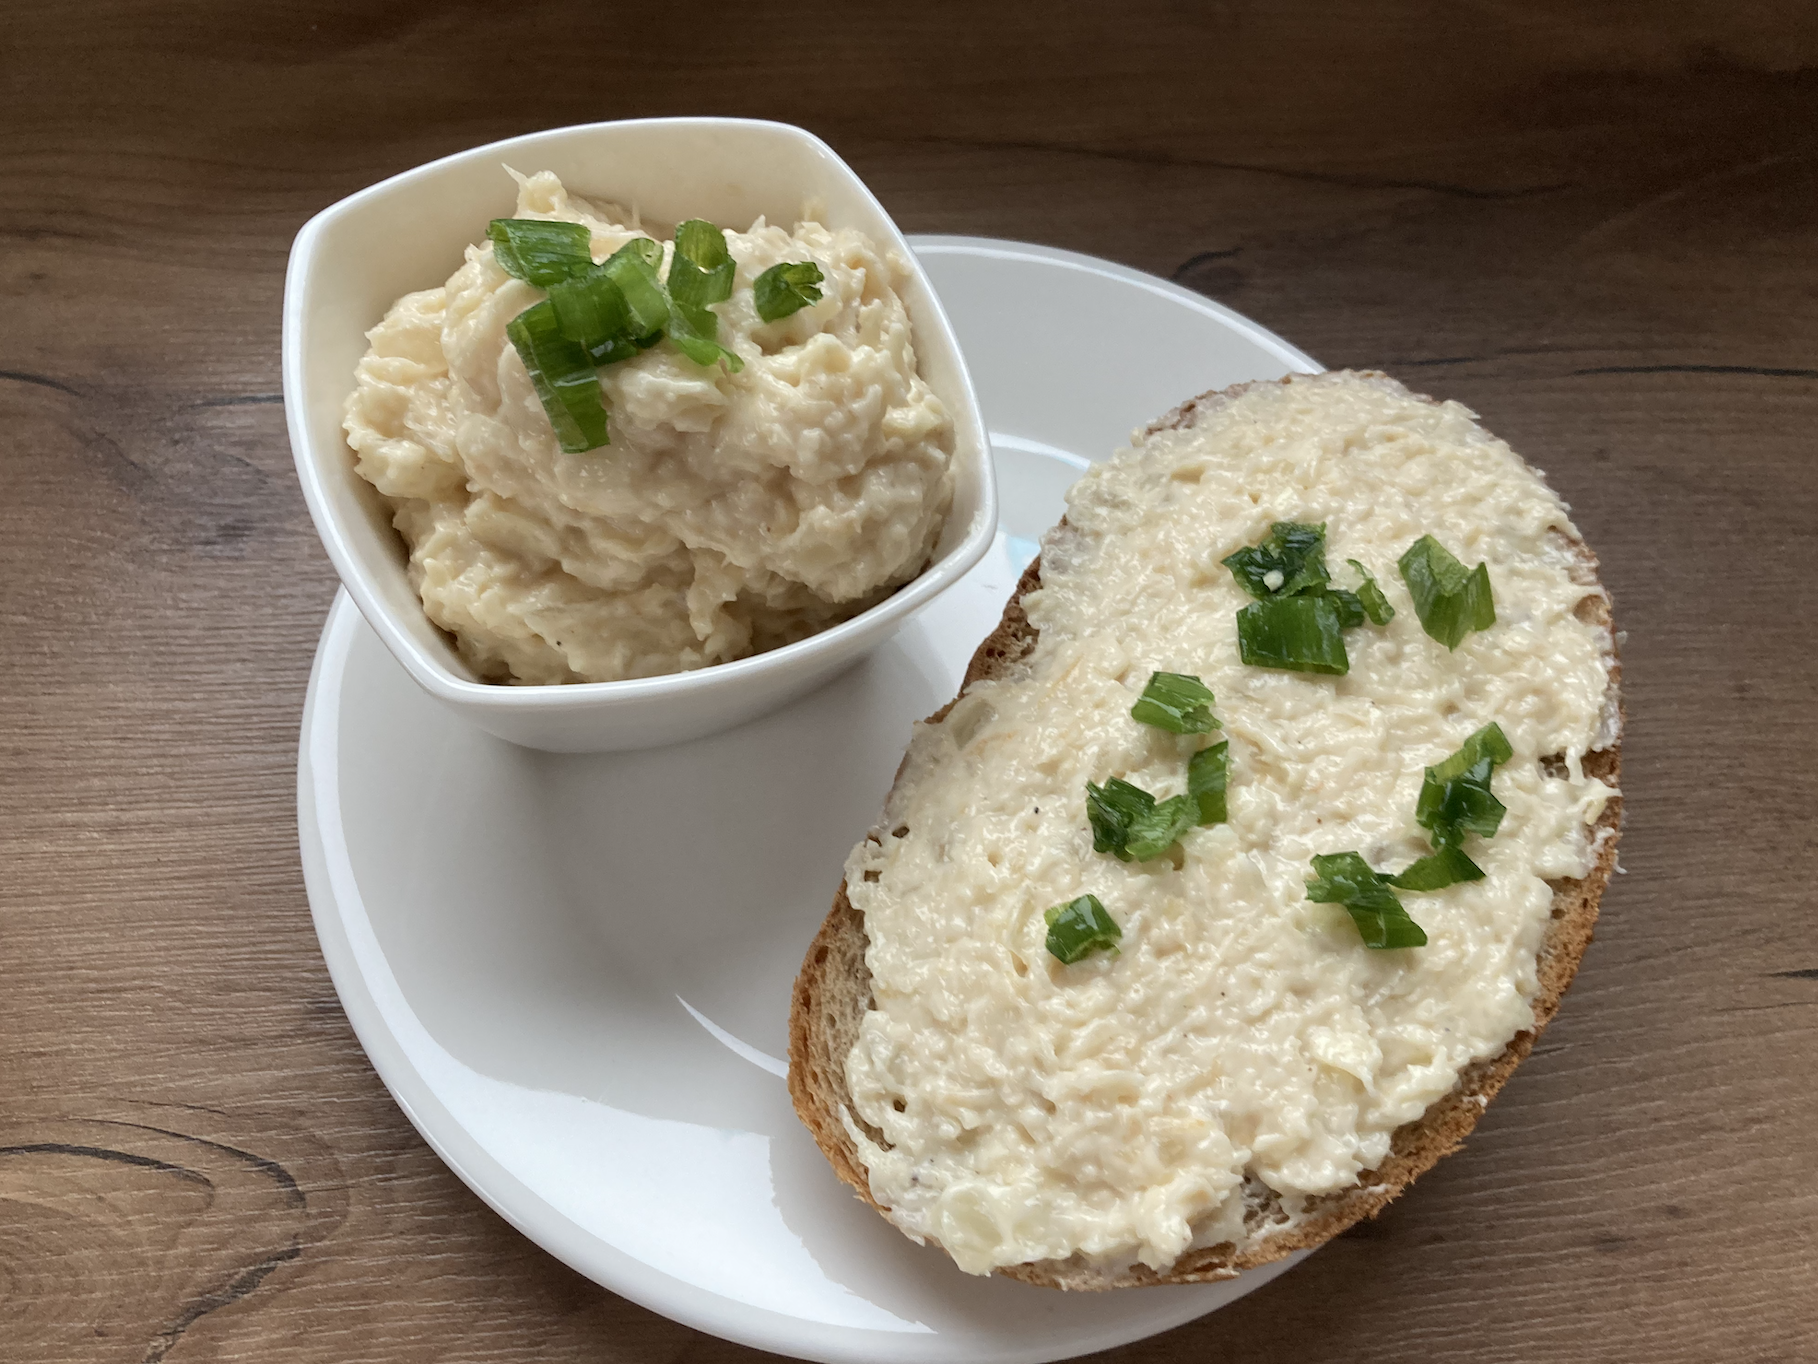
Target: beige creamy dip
point(1115, 1107)
point(730, 514)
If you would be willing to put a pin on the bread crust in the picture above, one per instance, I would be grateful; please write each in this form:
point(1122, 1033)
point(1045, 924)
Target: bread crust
point(833, 992)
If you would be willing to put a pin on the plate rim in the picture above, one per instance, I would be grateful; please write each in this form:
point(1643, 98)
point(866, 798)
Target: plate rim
point(1004, 248)
point(334, 895)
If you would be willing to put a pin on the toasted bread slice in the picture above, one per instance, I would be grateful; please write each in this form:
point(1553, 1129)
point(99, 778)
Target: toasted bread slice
point(833, 993)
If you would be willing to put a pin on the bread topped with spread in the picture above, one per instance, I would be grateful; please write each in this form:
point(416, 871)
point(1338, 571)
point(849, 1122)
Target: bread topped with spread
point(1262, 840)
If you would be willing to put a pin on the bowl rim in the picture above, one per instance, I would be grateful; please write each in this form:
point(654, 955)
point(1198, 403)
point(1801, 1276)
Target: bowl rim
point(429, 673)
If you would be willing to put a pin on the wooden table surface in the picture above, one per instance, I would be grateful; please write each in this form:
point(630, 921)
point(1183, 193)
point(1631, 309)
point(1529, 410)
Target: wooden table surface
point(1596, 223)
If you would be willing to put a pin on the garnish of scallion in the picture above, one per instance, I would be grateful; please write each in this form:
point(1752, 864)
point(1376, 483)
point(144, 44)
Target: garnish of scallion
point(1346, 879)
point(1450, 600)
point(1207, 772)
point(594, 315)
point(701, 269)
point(1079, 928)
point(700, 273)
point(1177, 702)
point(1370, 597)
point(540, 252)
point(1112, 810)
point(1296, 634)
point(592, 312)
point(598, 315)
point(1159, 827)
point(1438, 870)
point(1126, 820)
point(633, 268)
point(566, 380)
point(786, 289)
point(1455, 796)
point(1297, 621)
point(1132, 825)
point(1455, 799)
point(1289, 561)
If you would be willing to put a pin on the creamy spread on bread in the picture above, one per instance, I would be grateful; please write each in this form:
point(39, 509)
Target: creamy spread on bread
point(730, 514)
point(1016, 1109)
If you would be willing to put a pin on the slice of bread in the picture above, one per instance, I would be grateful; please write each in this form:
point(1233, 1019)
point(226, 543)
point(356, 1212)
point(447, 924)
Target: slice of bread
point(833, 993)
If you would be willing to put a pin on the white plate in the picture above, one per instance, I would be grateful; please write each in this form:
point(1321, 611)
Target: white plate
point(573, 972)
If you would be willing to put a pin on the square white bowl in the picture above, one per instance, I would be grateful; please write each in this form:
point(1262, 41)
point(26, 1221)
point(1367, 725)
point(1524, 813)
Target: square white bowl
point(352, 261)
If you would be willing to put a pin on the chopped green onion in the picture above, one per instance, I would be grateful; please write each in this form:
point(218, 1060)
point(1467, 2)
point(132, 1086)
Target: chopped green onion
point(1293, 554)
point(565, 378)
point(1207, 772)
point(1159, 828)
point(1346, 879)
point(593, 312)
point(1449, 601)
point(1177, 702)
point(1371, 597)
point(1133, 826)
point(1112, 809)
point(1455, 798)
point(633, 269)
point(1290, 566)
point(646, 249)
point(1081, 927)
point(695, 331)
point(1438, 870)
point(700, 271)
point(1349, 604)
point(540, 252)
point(1299, 634)
point(785, 289)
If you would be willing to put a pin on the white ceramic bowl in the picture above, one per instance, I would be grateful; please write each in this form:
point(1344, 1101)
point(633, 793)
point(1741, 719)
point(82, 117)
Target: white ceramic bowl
point(352, 261)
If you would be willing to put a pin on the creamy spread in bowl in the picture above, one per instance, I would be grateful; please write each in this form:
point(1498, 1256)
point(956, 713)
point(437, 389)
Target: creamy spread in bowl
point(1017, 1109)
point(729, 515)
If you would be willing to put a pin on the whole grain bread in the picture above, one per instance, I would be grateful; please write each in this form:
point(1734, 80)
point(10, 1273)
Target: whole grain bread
point(833, 992)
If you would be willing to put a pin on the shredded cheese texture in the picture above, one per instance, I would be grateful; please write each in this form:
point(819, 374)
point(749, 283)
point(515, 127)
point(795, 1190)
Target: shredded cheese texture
point(1031, 1111)
point(731, 513)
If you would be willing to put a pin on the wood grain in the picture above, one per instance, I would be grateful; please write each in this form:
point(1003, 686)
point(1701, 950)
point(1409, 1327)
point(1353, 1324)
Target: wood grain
point(1596, 223)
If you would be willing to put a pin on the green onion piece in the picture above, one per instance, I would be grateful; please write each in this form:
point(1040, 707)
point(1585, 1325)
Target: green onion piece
point(1369, 594)
point(1080, 927)
point(1207, 772)
point(1449, 601)
point(1298, 634)
point(1133, 826)
point(1295, 551)
point(565, 378)
point(700, 271)
point(1349, 604)
point(616, 349)
point(695, 331)
point(1444, 868)
point(646, 249)
point(1177, 702)
point(1156, 830)
point(633, 269)
point(1455, 798)
point(1112, 809)
point(592, 311)
point(1346, 879)
point(785, 289)
point(539, 252)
